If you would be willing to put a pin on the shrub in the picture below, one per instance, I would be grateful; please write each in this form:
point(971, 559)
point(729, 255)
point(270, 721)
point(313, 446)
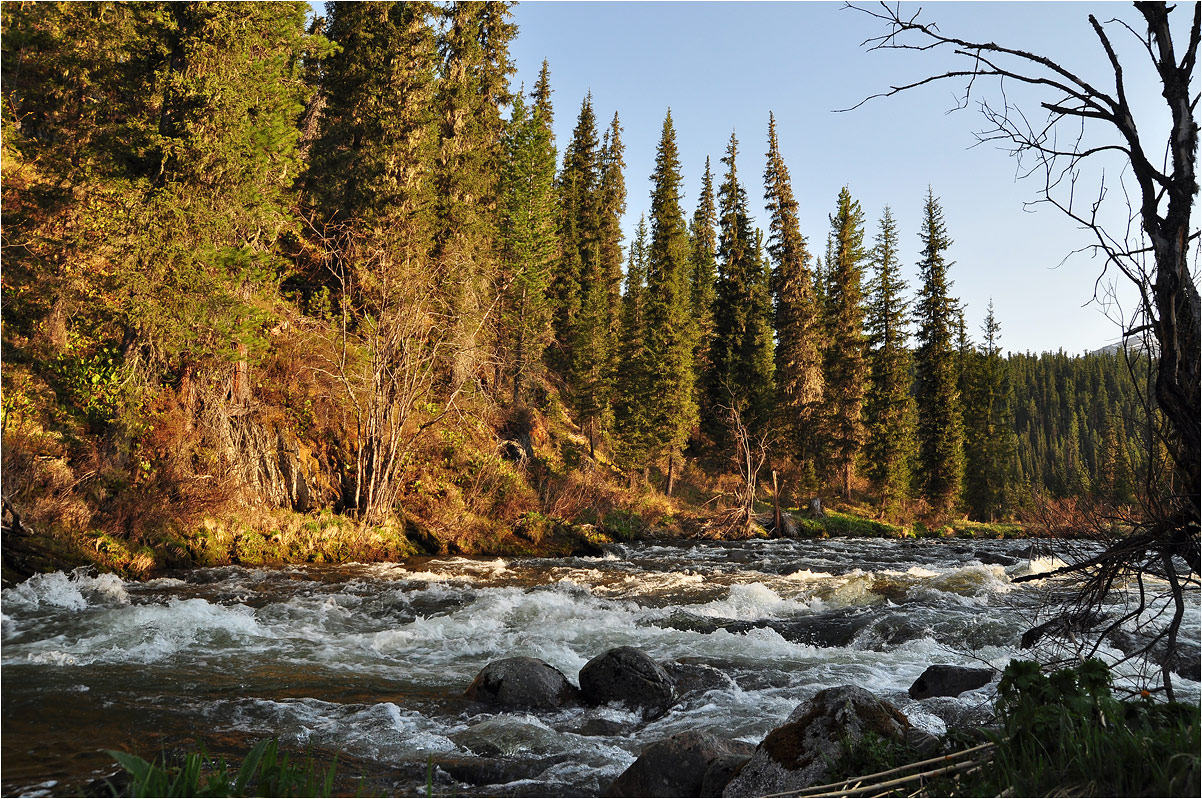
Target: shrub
point(264, 772)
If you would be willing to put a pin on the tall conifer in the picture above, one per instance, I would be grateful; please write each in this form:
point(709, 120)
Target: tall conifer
point(703, 275)
point(844, 362)
point(888, 404)
point(529, 242)
point(633, 401)
point(611, 209)
point(668, 340)
point(940, 428)
point(473, 87)
point(796, 312)
point(742, 345)
point(989, 439)
point(583, 322)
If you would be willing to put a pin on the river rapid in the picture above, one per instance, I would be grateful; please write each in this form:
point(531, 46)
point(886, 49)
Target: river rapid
point(371, 661)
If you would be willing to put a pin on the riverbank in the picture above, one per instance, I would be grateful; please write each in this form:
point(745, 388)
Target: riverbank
point(278, 538)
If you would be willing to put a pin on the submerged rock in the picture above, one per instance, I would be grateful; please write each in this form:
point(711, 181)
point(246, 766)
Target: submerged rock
point(995, 559)
point(942, 680)
point(522, 682)
point(1185, 659)
point(686, 764)
point(798, 754)
point(695, 679)
point(629, 676)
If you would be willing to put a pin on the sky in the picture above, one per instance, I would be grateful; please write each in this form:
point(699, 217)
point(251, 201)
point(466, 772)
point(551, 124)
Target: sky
point(722, 67)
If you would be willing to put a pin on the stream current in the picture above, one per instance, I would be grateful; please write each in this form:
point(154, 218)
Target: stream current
point(370, 662)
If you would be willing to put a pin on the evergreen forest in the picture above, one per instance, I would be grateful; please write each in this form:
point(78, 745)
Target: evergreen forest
point(282, 287)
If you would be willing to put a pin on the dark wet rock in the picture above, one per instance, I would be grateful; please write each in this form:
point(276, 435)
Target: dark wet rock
point(958, 714)
point(695, 679)
point(629, 676)
point(798, 754)
point(493, 770)
point(921, 741)
point(836, 628)
point(522, 682)
point(1186, 659)
point(994, 559)
point(941, 680)
point(506, 735)
point(687, 764)
point(607, 728)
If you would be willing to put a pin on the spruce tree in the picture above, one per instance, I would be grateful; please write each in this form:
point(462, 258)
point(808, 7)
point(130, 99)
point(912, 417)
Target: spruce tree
point(742, 345)
point(703, 248)
point(888, 404)
point(529, 243)
point(377, 134)
point(583, 321)
point(611, 209)
point(796, 311)
point(473, 86)
point(940, 429)
point(668, 341)
point(989, 438)
point(633, 402)
point(843, 358)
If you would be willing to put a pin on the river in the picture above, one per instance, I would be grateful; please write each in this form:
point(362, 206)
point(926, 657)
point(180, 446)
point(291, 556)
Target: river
point(370, 661)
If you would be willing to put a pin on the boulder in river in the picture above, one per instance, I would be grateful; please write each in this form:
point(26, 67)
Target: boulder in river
point(1185, 659)
point(629, 676)
point(798, 753)
point(942, 680)
point(994, 558)
point(696, 679)
point(689, 763)
point(522, 682)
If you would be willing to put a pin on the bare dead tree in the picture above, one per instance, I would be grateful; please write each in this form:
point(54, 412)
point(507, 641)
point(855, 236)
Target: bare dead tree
point(395, 341)
point(749, 456)
point(1090, 123)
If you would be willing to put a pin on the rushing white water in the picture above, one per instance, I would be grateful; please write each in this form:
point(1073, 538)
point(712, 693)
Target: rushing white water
point(371, 661)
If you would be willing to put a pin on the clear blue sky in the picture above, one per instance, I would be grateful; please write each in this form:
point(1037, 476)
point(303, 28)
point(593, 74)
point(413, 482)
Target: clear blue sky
point(724, 66)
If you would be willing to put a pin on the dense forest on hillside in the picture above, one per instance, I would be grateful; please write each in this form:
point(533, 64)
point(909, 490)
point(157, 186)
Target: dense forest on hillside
point(336, 277)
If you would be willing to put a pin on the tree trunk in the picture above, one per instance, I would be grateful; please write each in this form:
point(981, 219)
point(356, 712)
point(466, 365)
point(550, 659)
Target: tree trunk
point(671, 472)
point(775, 504)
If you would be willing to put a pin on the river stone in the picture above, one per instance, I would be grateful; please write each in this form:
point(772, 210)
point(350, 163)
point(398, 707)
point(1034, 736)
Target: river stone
point(689, 763)
point(1185, 660)
point(798, 754)
point(696, 679)
point(995, 559)
point(629, 676)
point(941, 680)
point(522, 682)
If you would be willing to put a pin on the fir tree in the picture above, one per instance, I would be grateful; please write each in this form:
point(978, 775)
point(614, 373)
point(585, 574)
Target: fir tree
point(633, 402)
point(377, 134)
point(583, 319)
point(529, 242)
point(742, 346)
point(796, 311)
point(888, 404)
point(612, 207)
point(940, 426)
point(703, 275)
point(473, 86)
point(843, 359)
point(989, 439)
point(668, 341)
point(542, 96)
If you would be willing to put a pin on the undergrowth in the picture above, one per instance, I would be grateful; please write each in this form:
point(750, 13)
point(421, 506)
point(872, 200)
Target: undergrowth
point(265, 771)
point(1059, 734)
